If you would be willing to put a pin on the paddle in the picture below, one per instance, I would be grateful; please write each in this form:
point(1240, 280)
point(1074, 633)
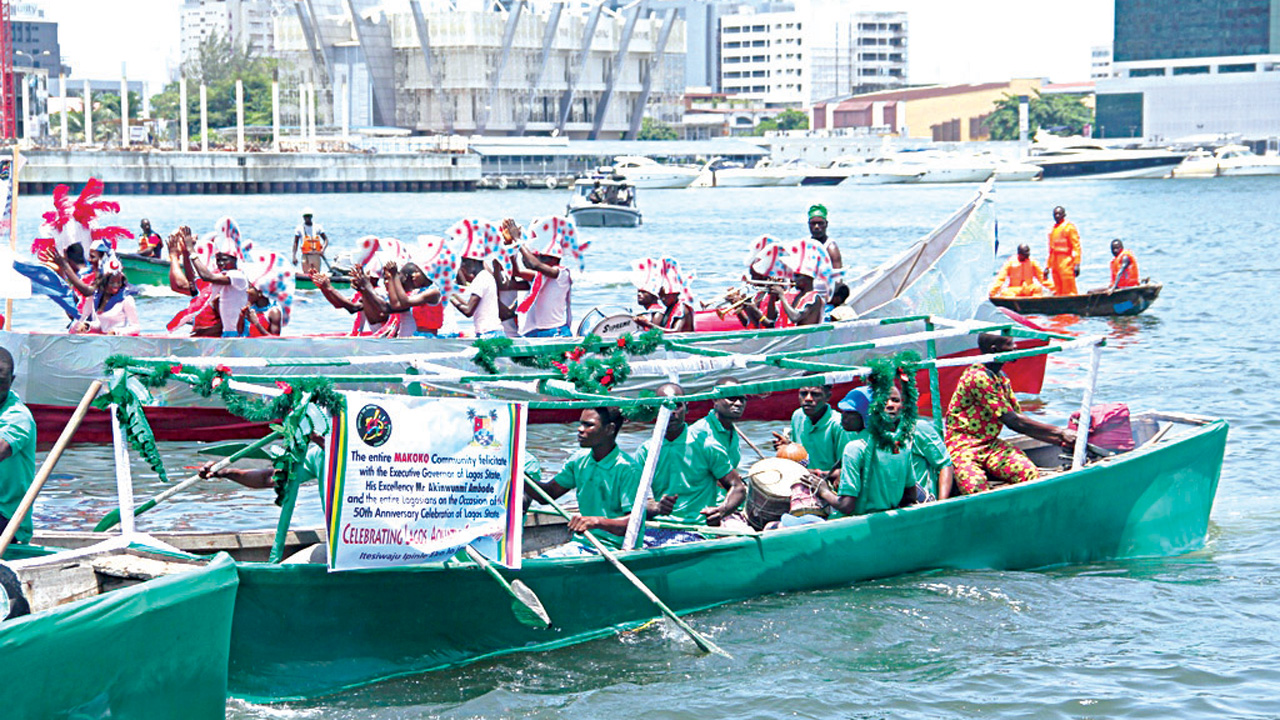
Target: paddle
point(46, 468)
point(525, 604)
point(112, 518)
point(703, 643)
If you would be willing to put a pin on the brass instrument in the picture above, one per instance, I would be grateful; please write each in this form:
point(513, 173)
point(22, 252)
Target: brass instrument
point(737, 297)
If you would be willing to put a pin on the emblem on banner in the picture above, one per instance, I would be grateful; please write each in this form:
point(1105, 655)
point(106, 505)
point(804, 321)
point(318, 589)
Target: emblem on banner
point(5, 167)
point(482, 428)
point(373, 425)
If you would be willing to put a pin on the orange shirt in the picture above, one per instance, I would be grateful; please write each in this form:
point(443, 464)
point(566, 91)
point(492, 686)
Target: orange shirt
point(1064, 242)
point(1130, 277)
point(1018, 273)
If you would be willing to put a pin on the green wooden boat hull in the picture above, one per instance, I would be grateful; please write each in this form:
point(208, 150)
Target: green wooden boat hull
point(301, 632)
point(153, 650)
point(152, 271)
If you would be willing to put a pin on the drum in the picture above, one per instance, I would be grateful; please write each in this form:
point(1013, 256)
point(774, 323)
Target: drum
point(607, 323)
point(769, 489)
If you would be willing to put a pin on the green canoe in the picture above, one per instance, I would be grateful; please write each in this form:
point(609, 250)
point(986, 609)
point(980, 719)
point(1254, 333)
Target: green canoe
point(301, 632)
point(154, 271)
point(156, 649)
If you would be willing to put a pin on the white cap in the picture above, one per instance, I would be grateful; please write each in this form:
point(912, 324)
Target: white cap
point(308, 211)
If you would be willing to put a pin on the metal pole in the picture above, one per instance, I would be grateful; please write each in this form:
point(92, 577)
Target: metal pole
point(239, 116)
point(124, 108)
point(204, 118)
point(1082, 428)
point(88, 114)
point(183, 136)
point(124, 477)
point(62, 90)
point(345, 94)
point(632, 538)
point(275, 116)
point(26, 108)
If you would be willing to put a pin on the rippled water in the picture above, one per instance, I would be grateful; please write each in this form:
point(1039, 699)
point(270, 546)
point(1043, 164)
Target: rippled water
point(1189, 636)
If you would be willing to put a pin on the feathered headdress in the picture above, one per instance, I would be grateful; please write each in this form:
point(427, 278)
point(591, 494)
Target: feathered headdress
point(558, 236)
point(71, 220)
point(438, 263)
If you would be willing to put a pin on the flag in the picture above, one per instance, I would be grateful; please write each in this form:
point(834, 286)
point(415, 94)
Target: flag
point(48, 283)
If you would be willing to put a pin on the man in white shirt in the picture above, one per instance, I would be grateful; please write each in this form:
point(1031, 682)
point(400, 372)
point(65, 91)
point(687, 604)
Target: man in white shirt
point(230, 285)
point(479, 300)
point(310, 235)
point(546, 310)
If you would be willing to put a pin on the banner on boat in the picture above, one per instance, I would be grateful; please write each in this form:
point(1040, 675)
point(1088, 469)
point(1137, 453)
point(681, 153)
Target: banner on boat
point(413, 480)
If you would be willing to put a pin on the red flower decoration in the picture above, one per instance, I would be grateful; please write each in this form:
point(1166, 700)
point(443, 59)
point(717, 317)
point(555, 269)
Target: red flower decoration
point(284, 386)
point(215, 382)
point(175, 369)
point(622, 342)
point(222, 369)
point(608, 378)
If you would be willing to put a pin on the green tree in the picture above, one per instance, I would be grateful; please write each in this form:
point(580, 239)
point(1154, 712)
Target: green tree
point(651, 129)
point(1057, 114)
point(785, 120)
point(106, 116)
point(218, 63)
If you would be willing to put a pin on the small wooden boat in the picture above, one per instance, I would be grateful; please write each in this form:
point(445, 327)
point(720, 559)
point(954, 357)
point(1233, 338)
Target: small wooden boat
point(143, 270)
point(119, 632)
point(1151, 501)
point(1122, 301)
point(617, 207)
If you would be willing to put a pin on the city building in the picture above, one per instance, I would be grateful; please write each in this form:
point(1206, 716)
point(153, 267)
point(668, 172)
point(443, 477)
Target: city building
point(477, 68)
point(1195, 69)
point(702, 33)
point(1100, 63)
point(952, 113)
point(37, 57)
point(248, 23)
point(820, 50)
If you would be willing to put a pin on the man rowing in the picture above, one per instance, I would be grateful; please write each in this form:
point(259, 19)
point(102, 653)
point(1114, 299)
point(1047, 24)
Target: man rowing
point(604, 479)
point(1020, 277)
point(1124, 266)
point(17, 450)
point(721, 422)
point(983, 405)
point(1064, 253)
point(370, 313)
point(693, 467)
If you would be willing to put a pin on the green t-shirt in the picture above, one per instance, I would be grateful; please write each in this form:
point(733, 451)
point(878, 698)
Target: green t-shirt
point(823, 440)
point(877, 478)
point(727, 438)
point(928, 456)
point(689, 466)
point(605, 488)
point(17, 428)
point(532, 468)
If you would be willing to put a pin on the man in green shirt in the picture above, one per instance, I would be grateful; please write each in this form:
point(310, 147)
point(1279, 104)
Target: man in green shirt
point(720, 422)
point(17, 451)
point(872, 478)
point(692, 466)
point(817, 427)
point(604, 478)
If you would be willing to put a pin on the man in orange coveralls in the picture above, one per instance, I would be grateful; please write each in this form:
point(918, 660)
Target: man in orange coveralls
point(1064, 254)
point(1124, 266)
point(1023, 275)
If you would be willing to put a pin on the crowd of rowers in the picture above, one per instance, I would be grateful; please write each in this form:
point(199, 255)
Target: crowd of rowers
point(1023, 277)
point(849, 470)
point(505, 280)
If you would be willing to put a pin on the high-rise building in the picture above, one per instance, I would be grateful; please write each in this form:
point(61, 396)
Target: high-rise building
point(35, 40)
point(1100, 62)
point(702, 33)
point(248, 23)
point(820, 50)
point(1210, 67)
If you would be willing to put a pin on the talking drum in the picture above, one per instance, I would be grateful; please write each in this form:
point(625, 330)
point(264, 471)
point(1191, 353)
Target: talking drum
point(769, 497)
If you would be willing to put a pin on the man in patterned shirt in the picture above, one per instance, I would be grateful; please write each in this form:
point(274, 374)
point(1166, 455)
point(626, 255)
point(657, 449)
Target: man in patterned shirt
point(981, 407)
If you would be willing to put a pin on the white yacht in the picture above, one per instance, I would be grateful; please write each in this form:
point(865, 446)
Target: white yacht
point(643, 172)
point(791, 172)
point(722, 173)
point(944, 167)
point(1235, 160)
point(1088, 159)
point(876, 171)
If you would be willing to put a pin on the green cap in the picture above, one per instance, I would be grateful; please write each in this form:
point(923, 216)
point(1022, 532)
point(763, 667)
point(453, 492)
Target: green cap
point(818, 210)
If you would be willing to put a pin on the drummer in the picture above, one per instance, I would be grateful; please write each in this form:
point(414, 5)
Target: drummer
point(719, 423)
point(604, 478)
point(692, 466)
point(818, 428)
point(874, 476)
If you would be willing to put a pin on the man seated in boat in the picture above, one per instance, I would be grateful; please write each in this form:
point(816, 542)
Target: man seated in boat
point(17, 450)
point(983, 404)
point(270, 298)
point(1064, 253)
point(676, 299)
point(80, 275)
point(1124, 266)
point(818, 233)
point(597, 194)
point(803, 305)
point(547, 309)
point(817, 427)
point(646, 275)
point(604, 479)
point(694, 468)
point(721, 422)
point(149, 241)
point(1020, 277)
point(765, 269)
point(227, 279)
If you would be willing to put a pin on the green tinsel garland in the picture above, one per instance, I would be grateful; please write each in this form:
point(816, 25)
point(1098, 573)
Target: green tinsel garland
point(883, 373)
point(593, 366)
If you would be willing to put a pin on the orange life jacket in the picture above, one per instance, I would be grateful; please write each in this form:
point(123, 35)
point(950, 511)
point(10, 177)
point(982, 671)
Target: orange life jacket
point(1130, 277)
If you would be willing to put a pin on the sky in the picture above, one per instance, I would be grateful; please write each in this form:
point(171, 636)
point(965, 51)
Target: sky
point(950, 41)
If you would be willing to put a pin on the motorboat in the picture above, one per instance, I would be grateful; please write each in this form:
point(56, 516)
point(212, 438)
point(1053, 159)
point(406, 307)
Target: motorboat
point(604, 202)
point(876, 171)
point(722, 173)
point(643, 172)
point(1094, 160)
point(943, 167)
point(787, 174)
point(1016, 171)
point(1236, 160)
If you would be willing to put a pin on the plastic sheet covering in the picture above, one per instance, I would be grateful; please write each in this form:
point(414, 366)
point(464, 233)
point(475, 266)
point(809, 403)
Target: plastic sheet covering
point(153, 650)
point(301, 632)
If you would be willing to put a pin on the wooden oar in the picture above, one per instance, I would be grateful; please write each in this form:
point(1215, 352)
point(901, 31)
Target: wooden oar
point(703, 643)
point(525, 604)
point(112, 518)
point(46, 468)
point(749, 443)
